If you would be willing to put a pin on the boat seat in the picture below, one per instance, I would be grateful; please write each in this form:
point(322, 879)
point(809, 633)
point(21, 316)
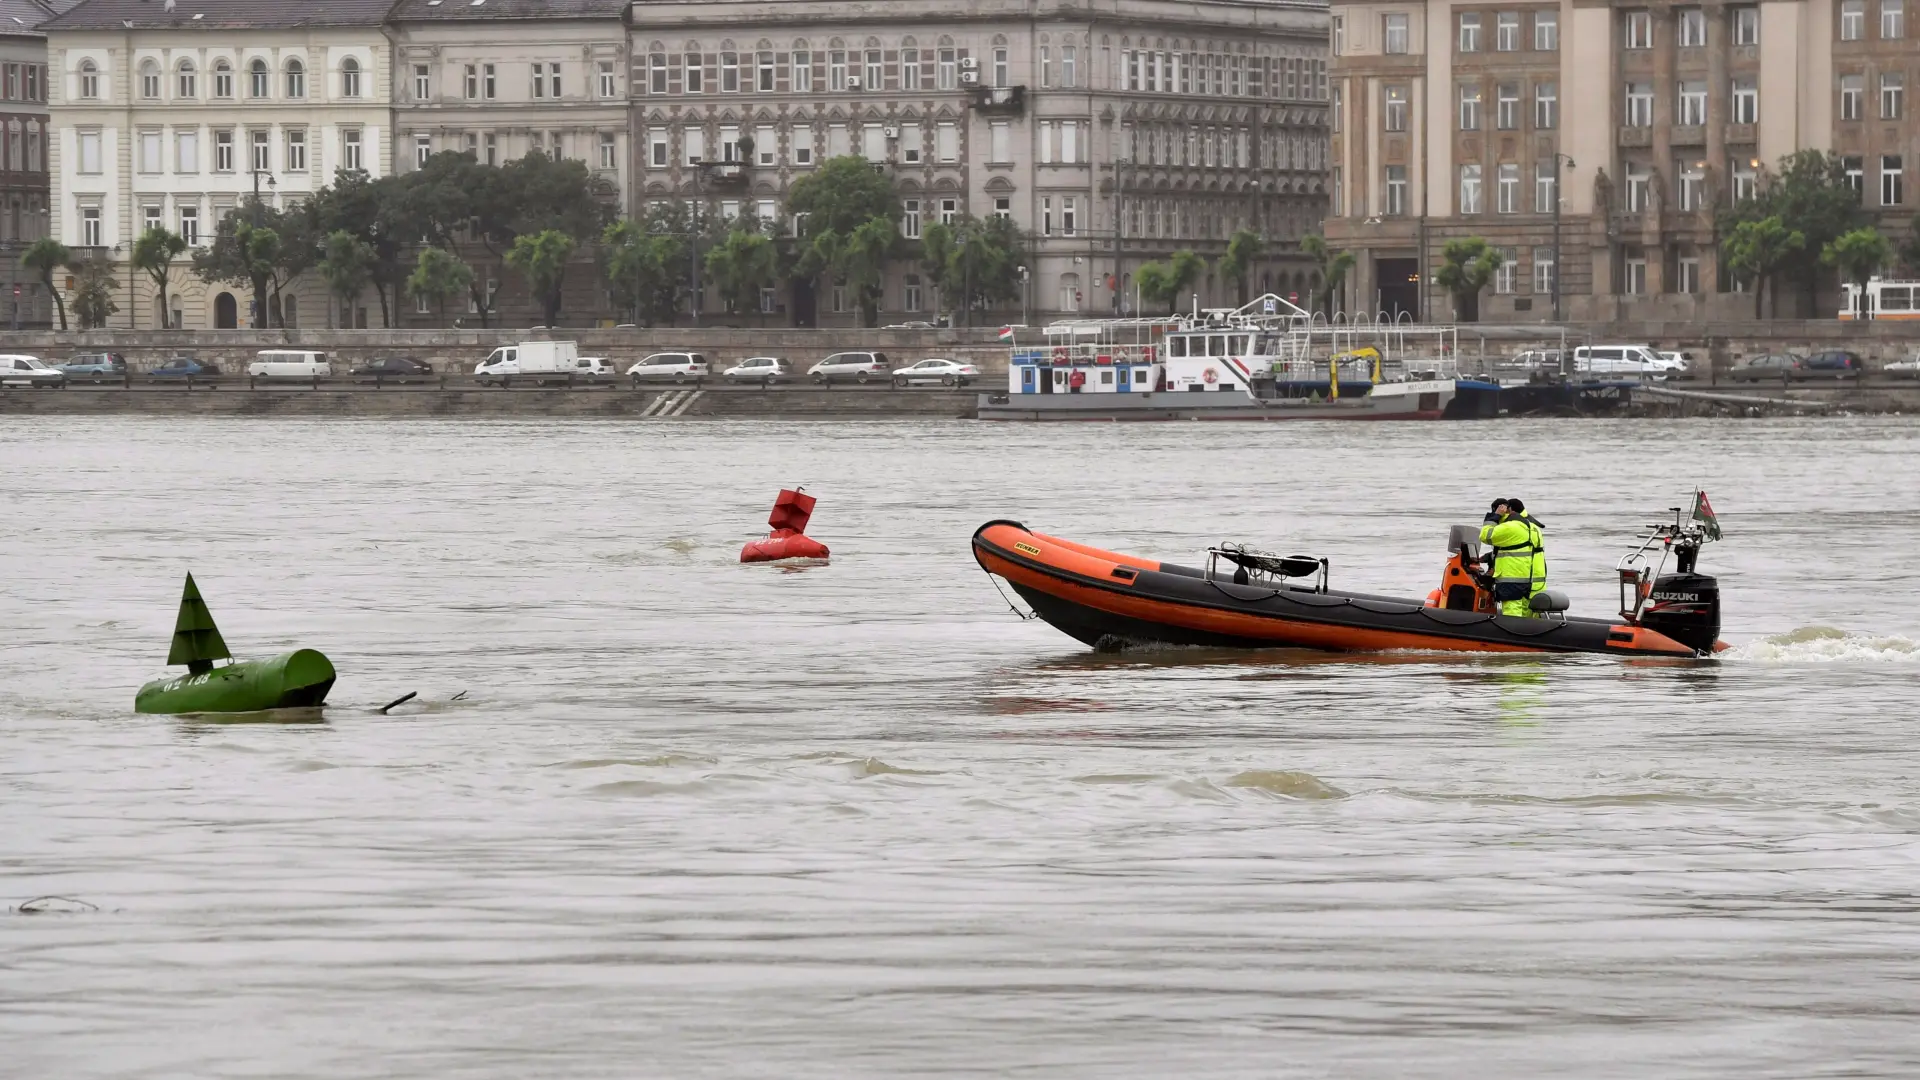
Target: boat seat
point(1549, 600)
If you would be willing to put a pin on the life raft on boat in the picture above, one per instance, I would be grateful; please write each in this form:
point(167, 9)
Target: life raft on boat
point(1248, 599)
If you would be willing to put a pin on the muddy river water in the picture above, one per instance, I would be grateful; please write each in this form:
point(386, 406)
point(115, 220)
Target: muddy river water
point(655, 814)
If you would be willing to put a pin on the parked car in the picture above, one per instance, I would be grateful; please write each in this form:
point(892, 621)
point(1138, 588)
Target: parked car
point(1618, 360)
point(858, 366)
point(1906, 369)
point(289, 364)
point(670, 367)
point(185, 367)
point(1832, 364)
point(594, 368)
point(1768, 367)
point(394, 369)
point(1678, 363)
point(759, 369)
point(95, 367)
point(944, 372)
point(20, 370)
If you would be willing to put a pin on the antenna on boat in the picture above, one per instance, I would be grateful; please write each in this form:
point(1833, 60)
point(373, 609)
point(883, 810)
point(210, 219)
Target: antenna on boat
point(196, 641)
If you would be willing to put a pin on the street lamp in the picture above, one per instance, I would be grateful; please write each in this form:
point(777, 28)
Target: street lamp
point(699, 171)
point(1026, 293)
point(1558, 157)
point(1119, 208)
point(259, 288)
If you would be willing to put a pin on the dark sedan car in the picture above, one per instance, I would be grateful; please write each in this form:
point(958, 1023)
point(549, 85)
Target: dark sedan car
point(393, 369)
point(1831, 364)
point(1772, 367)
point(185, 367)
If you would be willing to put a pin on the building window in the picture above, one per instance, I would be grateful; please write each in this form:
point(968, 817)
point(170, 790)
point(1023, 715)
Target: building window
point(188, 82)
point(491, 145)
point(1637, 177)
point(1506, 101)
point(657, 149)
point(1470, 32)
point(1746, 25)
point(1069, 66)
point(223, 151)
point(1000, 65)
point(763, 73)
point(487, 82)
point(837, 69)
point(149, 152)
point(910, 293)
point(1069, 216)
point(422, 150)
point(262, 143)
point(296, 80)
point(1507, 198)
point(1636, 276)
point(1046, 215)
point(90, 226)
point(150, 80)
point(471, 83)
point(1893, 90)
point(1890, 191)
point(1851, 87)
point(1543, 270)
point(350, 78)
point(1545, 177)
point(186, 152)
point(948, 142)
point(1069, 292)
point(222, 79)
point(946, 70)
point(693, 145)
point(1746, 100)
point(1853, 19)
point(910, 218)
point(1693, 179)
point(949, 210)
point(1394, 34)
point(297, 150)
point(1506, 34)
point(1503, 274)
point(1693, 103)
point(802, 145)
point(1396, 110)
point(802, 71)
point(1640, 104)
point(729, 73)
point(1546, 106)
point(190, 224)
point(609, 156)
point(909, 69)
point(350, 156)
point(1003, 207)
point(1396, 191)
point(875, 73)
point(1693, 28)
point(1745, 182)
point(422, 82)
point(1339, 36)
point(1640, 29)
point(1469, 189)
point(89, 79)
point(1689, 274)
point(1854, 169)
point(1546, 31)
point(1893, 19)
point(657, 73)
point(1470, 108)
point(693, 75)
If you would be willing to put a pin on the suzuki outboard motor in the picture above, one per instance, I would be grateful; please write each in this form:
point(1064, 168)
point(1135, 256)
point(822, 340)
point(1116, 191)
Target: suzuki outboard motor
point(1685, 606)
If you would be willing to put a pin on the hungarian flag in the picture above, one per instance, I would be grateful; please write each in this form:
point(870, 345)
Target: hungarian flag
point(1703, 513)
point(1006, 333)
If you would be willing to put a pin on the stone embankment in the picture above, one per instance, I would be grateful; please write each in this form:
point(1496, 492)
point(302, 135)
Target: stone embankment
point(615, 401)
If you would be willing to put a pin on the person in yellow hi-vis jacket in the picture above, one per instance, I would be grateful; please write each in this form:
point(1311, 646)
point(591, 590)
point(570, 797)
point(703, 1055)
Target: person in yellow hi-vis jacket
point(1519, 556)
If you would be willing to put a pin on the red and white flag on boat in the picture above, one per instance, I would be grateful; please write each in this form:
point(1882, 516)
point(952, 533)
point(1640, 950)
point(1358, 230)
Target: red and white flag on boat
point(1006, 333)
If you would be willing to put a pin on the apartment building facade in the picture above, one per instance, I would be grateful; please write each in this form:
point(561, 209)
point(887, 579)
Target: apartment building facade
point(1635, 122)
point(1113, 137)
point(23, 158)
point(173, 115)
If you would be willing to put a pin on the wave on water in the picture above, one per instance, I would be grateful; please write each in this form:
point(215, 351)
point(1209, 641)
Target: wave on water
point(1287, 784)
point(1825, 645)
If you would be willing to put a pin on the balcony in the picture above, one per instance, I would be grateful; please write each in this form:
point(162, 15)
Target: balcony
point(1741, 135)
point(1635, 136)
point(724, 174)
point(1001, 100)
point(1689, 135)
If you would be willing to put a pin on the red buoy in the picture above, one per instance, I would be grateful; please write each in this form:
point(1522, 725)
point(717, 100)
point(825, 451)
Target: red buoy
point(788, 540)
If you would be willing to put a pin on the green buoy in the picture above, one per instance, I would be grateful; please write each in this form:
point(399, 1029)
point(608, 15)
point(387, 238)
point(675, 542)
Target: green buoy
point(290, 680)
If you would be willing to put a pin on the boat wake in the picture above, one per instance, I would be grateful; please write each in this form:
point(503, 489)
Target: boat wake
point(1825, 645)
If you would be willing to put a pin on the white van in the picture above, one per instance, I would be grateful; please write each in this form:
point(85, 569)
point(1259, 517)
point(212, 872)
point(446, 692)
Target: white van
point(290, 364)
point(1618, 360)
point(542, 362)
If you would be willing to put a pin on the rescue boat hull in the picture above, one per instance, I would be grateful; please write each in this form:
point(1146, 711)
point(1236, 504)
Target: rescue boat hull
point(1388, 401)
point(1109, 600)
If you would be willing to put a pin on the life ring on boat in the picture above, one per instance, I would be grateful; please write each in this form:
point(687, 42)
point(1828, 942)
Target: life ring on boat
point(1060, 354)
point(1211, 376)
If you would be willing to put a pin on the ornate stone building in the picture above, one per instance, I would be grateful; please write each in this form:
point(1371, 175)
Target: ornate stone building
point(23, 158)
point(1177, 123)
